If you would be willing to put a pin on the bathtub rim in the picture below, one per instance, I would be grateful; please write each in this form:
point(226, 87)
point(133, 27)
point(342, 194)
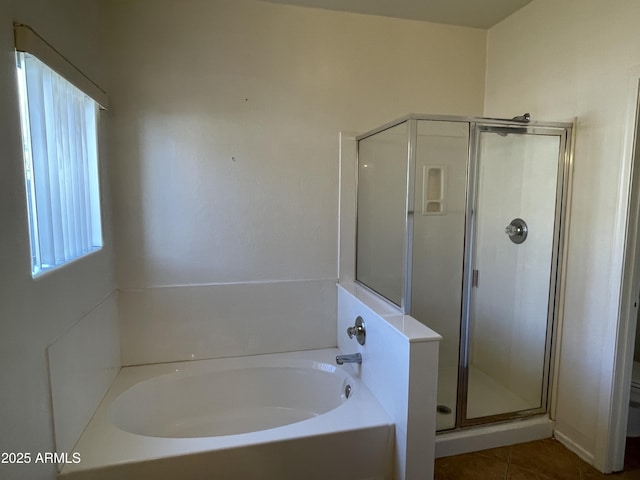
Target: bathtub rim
point(119, 406)
point(102, 444)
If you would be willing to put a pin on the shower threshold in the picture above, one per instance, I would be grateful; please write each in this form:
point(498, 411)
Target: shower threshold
point(490, 397)
point(473, 439)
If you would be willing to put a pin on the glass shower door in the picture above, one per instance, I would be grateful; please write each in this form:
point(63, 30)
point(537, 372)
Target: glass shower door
point(511, 272)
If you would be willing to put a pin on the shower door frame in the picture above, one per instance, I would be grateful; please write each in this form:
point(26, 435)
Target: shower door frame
point(563, 131)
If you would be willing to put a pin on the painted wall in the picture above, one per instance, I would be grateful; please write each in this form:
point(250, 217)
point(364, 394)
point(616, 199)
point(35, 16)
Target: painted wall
point(34, 314)
point(225, 127)
point(559, 60)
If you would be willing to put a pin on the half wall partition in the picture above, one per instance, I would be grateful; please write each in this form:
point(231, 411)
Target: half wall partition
point(460, 224)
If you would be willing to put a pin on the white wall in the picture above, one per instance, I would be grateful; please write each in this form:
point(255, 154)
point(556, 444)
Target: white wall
point(185, 323)
point(82, 364)
point(225, 119)
point(558, 60)
point(33, 314)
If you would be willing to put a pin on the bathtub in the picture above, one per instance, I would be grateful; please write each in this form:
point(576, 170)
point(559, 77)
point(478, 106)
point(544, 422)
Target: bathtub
point(279, 416)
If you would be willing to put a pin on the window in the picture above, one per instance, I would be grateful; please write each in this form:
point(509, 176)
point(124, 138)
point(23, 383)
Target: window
point(59, 132)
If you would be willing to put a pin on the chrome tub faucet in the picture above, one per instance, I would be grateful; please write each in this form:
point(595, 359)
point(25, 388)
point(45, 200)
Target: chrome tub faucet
point(351, 358)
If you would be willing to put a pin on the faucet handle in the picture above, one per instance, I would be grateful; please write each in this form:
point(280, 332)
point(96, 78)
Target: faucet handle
point(358, 331)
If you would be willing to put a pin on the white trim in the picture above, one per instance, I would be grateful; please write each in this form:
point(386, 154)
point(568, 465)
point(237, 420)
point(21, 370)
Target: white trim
point(45, 272)
point(223, 284)
point(28, 41)
point(574, 447)
point(614, 448)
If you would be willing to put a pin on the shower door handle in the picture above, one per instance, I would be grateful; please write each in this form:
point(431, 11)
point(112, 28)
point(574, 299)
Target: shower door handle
point(517, 230)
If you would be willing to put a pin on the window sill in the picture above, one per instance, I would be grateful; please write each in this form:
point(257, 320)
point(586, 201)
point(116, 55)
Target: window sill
point(49, 270)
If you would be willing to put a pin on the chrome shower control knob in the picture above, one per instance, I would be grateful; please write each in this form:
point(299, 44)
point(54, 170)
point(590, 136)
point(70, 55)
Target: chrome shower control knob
point(512, 230)
point(358, 331)
point(517, 230)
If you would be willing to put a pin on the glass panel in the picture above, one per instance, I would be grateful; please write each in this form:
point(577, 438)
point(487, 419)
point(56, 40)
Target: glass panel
point(438, 247)
point(517, 179)
point(382, 211)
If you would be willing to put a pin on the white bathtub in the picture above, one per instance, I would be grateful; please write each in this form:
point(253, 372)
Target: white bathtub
point(280, 416)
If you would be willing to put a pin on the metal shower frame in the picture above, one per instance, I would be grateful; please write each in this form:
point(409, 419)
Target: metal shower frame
point(476, 126)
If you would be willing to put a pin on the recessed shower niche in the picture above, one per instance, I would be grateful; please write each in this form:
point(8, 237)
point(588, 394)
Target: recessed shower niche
point(460, 224)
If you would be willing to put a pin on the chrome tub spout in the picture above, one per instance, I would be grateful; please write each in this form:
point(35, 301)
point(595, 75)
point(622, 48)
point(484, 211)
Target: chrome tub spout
point(351, 358)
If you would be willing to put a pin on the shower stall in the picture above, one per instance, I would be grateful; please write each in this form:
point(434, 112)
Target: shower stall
point(460, 224)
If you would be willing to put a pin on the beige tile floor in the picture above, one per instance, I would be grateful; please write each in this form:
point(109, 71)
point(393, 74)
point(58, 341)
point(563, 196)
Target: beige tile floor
point(539, 460)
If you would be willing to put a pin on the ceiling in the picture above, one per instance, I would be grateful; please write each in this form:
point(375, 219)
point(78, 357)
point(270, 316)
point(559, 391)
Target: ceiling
point(468, 13)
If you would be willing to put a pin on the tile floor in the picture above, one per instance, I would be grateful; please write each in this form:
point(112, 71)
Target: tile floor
point(540, 460)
